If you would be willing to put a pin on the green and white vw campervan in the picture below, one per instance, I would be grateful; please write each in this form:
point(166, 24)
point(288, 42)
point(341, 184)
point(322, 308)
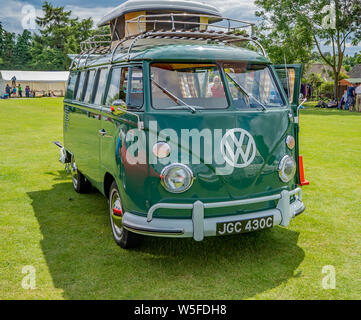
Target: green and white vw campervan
point(184, 129)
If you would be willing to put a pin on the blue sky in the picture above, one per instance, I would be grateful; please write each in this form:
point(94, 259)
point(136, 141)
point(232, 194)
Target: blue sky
point(11, 14)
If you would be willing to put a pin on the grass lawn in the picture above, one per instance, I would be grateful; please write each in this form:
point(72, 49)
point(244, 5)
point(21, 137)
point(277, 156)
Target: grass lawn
point(67, 237)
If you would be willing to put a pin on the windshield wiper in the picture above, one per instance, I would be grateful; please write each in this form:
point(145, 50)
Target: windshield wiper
point(248, 95)
point(174, 97)
point(259, 102)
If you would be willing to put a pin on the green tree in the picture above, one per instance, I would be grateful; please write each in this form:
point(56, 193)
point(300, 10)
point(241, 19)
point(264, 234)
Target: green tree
point(293, 45)
point(316, 81)
point(326, 88)
point(60, 35)
point(1, 40)
point(358, 58)
point(283, 15)
point(22, 56)
point(8, 50)
point(46, 58)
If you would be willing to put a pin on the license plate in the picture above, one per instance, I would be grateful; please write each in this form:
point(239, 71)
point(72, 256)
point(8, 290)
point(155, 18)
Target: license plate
point(244, 226)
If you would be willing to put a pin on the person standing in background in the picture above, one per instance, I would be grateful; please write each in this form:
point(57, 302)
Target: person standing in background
point(350, 98)
point(8, 90)
point(358, 98)
point(20, 90)
point(342, 103)
point(27, 91)
point(14, 91)
point(13, 81)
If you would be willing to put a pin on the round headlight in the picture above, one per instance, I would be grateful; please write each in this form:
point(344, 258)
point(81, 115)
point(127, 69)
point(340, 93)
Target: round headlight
point(290, 142)
point(287, 168)
point(177, 178)
point(161, 150)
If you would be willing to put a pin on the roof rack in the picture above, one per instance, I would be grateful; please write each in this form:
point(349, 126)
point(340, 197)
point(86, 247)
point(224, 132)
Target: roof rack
point(95, 45)
point(217, 22)
point(225, 31)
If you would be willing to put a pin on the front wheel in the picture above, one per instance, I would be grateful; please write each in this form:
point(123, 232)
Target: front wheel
point(122, 237)
point(80, 183)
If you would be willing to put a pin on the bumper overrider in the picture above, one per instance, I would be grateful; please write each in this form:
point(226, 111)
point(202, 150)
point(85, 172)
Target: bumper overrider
point(199, 227)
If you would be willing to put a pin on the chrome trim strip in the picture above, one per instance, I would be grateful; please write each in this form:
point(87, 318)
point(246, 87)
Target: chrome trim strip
point(153, 231)
point(159, 226)
point(199, 226)
point(213, 205)
point(284, 207)
point(300, 210)
point(167, 206)
point(189, 228)
point(198, 221)
point(295, 191)
point(241, 202)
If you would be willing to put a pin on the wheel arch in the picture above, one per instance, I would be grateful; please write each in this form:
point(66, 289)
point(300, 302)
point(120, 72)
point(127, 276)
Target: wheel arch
point(108, 180)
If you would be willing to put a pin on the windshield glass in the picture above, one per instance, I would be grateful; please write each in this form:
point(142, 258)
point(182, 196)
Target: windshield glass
point(191, 86)
point(252, 86)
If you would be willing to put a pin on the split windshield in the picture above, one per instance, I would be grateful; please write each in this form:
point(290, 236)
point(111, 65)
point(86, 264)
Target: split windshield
point(252, 86)
point(200, 86)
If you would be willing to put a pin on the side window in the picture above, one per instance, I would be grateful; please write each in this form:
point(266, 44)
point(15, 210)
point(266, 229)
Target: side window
point(90, 86)
point(124, 84)
point(113, 91)
point(80, 88)
point(71, 85)
point(100, 86)
point(288, 81)
point(120, 87)
point(136, 91)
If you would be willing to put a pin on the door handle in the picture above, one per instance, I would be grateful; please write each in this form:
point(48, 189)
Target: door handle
point(102, 132)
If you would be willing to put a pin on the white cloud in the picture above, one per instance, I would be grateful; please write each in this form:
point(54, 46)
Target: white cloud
point(236, 9)
point(11, 16)
point(84, 13)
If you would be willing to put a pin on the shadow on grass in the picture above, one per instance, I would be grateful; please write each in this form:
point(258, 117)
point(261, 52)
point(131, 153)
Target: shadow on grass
point(86, 264)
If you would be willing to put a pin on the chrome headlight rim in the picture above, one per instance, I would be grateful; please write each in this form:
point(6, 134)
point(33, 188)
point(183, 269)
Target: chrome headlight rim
point(166, 171)
point(155, 149)
point(286, 178)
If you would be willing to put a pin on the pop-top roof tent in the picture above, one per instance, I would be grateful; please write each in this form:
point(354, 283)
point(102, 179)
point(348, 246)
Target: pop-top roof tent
point(138, 24)
point(146, 9)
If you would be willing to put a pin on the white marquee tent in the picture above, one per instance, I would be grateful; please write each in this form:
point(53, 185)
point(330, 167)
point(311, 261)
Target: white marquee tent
point(42, 82)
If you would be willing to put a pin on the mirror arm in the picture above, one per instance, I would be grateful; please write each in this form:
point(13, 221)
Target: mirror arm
point(298, 110)
point(140, 124)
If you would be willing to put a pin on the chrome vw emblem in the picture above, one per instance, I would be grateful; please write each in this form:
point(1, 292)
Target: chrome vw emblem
point(238, 148)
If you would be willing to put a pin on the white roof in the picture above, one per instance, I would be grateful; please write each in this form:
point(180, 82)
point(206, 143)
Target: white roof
point(155, 5)
point(35, 76)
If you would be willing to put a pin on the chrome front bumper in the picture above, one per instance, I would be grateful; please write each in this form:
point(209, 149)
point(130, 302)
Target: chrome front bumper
point(199, 227)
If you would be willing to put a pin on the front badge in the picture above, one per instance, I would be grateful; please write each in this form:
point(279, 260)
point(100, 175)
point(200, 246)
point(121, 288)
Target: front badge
point(238, 148)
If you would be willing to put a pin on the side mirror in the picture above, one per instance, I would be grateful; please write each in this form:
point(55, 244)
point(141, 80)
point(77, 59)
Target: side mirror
point(118, 102)
point(118, 107)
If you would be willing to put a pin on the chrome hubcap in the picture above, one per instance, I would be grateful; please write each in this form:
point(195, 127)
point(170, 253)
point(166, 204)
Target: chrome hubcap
point(116, 206)
point(74, 174)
